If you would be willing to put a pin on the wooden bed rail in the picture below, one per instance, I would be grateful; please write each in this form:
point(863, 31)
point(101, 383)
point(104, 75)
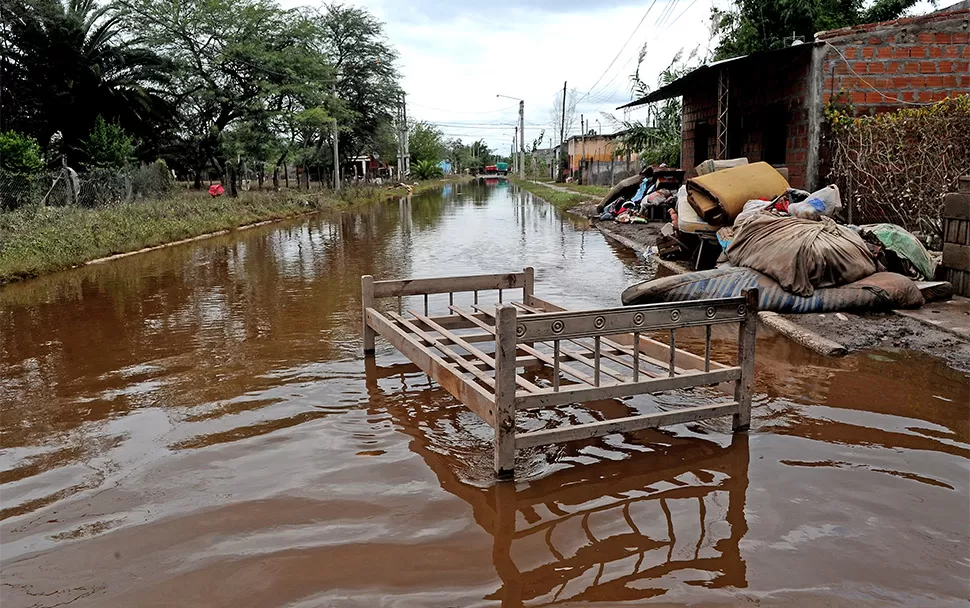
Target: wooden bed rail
point(614, 343)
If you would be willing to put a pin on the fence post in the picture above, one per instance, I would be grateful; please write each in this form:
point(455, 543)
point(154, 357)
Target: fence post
point(367, 301)
point(747, 334)
point(504, 422)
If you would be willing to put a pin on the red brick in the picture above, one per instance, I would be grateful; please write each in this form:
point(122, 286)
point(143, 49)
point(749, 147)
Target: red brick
point(939, 95)
point(942, 38)
point(918, 51)
point(875, 40)
point(859, 67)
point(868, 52)
point(844, 69)
point(951, 81)
point(966, 51)
point(850, 52)
point(900, 82)
point(857, 97)
point(927, 67)
point(873, 97)
point(894, 66)
point(829, 84)
point(911, 68)
point(961, 67)
point(951, 51)
point(884, 51)
point(882, 83)
point(908, 96)
point(877, 68)
point(936, 51)
point(961, 38)
point(927, 37)
point(901, 52)
point(934, 81)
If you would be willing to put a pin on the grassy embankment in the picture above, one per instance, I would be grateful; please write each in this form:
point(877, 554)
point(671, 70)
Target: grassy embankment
point(577, 194)
point(40, 240)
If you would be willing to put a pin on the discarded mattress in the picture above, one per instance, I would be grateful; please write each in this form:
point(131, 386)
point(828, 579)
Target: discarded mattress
point(880, 291)
point(720, 196)
point(687, 219)
point(801, 255)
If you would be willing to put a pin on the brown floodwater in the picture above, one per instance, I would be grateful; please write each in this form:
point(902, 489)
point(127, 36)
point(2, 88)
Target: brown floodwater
point(196, 427)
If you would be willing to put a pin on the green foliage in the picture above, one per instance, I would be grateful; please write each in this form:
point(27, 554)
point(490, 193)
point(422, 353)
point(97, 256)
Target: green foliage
point(657, 139)
point(839, 111)
point(426, 142)
point(20, 153)
point(108, 146)
point(896, 166)
point(749, 26)
point(426, 169)
point(556, 198)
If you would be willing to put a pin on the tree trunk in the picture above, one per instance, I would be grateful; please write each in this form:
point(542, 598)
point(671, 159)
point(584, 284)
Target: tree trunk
point(286, 174)
point(232, 180)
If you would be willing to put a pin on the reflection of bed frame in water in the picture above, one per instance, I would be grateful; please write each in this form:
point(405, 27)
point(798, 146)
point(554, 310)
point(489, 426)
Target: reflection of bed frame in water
point(593, 354)
point(625, 527)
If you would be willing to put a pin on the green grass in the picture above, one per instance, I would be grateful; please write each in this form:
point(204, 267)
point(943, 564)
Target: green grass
point(40, 240)
point(557, 198)
point(597, 191)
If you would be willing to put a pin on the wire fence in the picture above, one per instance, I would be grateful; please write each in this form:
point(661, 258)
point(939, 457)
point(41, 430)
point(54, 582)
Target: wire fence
point(93, 188)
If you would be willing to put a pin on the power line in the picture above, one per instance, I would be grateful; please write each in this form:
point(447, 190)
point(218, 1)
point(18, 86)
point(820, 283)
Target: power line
point(622, 48)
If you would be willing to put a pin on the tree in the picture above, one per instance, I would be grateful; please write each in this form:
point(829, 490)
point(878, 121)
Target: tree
point(555, 114)
point(760, 25)
point(236, 61)
point(427, 169)
point(426, 142)
point(657, 139)
point(108, 146)
point(20, 153)
point(65, 62)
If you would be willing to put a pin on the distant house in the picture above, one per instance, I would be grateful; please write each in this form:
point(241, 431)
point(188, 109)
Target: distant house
point(445, 167)
point(365, 167)
point(599, 158)
point(769, 106)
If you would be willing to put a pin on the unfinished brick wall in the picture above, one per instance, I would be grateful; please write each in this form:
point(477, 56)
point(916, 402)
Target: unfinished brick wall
point(921, 59)
point(755, 93)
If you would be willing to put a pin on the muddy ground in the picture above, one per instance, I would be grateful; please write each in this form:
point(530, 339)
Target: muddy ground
point(854, 331)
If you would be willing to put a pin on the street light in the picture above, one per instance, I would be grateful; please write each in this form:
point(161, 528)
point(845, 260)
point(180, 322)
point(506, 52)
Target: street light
point(599, 128)
point(521, 133)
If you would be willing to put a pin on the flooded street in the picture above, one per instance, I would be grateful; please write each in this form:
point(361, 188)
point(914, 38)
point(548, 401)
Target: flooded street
point(196, 427)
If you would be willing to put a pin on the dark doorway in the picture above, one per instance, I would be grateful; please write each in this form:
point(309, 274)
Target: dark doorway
point(702, 138)
point(775, 134)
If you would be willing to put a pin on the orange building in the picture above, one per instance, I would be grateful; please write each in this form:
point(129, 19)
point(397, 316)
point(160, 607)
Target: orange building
point(598, 155)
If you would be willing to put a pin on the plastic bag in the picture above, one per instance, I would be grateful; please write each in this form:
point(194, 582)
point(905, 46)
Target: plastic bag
point(821, 202)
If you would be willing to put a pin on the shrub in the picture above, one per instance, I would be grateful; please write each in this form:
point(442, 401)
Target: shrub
point(20, 153)
point(108, 146)
point(896, 166)
point(426, 169)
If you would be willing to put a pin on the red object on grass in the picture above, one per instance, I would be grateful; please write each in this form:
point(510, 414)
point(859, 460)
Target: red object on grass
point(216, 190)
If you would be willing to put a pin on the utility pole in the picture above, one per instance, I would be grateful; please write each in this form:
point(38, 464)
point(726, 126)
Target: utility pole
point(336, 153)
point(515, 140)
point(407, 135)
point(562, 128)
point(521, 139)
point(582, 160)
point(400, 144)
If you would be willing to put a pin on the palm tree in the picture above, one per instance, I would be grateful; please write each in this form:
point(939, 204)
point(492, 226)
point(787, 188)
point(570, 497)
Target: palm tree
point(65, 62)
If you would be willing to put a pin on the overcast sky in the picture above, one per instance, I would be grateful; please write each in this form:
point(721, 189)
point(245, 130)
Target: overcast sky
point(457, 55)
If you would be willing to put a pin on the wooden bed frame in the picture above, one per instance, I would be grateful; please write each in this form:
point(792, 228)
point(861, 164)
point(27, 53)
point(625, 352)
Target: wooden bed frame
point(591, 354)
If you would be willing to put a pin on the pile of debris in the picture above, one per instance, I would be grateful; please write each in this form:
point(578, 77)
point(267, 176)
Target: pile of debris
point(650, 195)
point(742, 225)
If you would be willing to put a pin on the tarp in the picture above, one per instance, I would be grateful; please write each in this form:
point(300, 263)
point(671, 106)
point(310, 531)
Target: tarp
point(720, 196)
point(880, 291)
point(801, 255)
point(906, 247)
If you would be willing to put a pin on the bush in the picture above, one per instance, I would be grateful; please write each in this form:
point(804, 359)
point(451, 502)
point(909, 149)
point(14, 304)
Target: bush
point(896, 166)
point(20, 153)
point(108, 146)
point(426, 169)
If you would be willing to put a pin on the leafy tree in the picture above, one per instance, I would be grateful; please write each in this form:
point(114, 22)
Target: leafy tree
point(426, 142)
point(108, 146)
point(760, 25)
point(20, 153)
point(64, 62)
point(657, 139)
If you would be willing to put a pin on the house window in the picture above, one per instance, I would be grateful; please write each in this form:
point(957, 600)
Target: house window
point(775, 134)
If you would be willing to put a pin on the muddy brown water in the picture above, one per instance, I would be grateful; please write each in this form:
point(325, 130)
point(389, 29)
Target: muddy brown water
point(195, 427)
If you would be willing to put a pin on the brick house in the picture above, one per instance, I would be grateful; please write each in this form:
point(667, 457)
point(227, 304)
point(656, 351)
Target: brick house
point(769, 106)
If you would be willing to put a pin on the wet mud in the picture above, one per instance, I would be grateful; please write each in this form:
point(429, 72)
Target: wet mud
point(195, 426)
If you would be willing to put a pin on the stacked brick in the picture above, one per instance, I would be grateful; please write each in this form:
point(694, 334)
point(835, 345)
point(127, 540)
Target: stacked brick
point(956, 239)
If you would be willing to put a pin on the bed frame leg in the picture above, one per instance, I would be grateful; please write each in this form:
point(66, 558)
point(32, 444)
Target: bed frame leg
point(504, 423)
point(367, 301)
point(747, 334)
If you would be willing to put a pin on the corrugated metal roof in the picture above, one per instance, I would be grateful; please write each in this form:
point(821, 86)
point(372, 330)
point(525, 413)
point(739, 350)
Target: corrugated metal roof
point(679, 86)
